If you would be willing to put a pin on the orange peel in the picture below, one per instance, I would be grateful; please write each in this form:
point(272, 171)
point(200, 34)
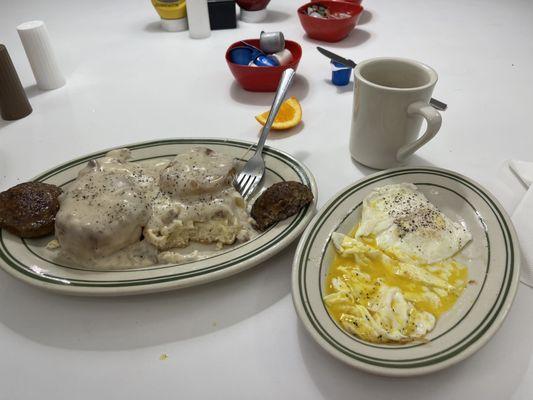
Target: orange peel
point(289, 115)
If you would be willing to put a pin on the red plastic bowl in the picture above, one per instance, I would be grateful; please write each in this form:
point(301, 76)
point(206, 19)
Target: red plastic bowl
point(262, 79)
point(252, 5)
point(330, 30)
point(351, 1)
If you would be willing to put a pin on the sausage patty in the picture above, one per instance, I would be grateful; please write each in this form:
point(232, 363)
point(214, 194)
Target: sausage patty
point(280, 201)
point(29, 209)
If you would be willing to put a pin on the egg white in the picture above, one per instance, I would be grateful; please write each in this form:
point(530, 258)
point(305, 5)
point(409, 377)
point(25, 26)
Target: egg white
point(406, 224)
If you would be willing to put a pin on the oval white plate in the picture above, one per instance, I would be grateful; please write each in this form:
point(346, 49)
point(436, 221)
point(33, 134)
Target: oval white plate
point(493, 260)
point(30, 261)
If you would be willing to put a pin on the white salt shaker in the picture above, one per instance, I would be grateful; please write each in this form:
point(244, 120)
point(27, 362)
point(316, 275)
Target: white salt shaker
point(198, 18)
point(38, 48)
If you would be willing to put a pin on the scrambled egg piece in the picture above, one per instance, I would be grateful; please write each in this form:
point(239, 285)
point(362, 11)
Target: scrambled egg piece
point(198, 203)
point(381, 298)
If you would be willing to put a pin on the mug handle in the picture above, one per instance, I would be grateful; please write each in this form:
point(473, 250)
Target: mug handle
point(434, 121)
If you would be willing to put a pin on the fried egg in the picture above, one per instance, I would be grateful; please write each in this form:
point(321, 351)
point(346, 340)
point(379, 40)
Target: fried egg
point(389, 282)
point(405, 224)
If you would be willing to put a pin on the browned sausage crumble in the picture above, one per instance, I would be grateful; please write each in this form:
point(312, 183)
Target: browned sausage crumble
point(280, 201)
point(29, 209)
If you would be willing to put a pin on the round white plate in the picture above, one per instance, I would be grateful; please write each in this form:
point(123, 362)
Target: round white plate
point(492, 257)
point(30, 261)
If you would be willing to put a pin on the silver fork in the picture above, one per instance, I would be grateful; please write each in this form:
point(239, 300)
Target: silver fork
point(254, 169)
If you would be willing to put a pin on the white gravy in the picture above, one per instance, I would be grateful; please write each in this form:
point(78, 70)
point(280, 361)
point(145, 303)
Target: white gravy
point(104, 211)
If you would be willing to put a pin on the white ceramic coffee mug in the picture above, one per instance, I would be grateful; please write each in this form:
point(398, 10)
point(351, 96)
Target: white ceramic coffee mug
point(391, 99)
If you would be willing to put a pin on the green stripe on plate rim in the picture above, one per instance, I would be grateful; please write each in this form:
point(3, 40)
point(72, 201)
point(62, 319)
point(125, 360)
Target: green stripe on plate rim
point(443, 355)
point(13, 262)
point(135, 146)
point(22, 268)
point(403, 347)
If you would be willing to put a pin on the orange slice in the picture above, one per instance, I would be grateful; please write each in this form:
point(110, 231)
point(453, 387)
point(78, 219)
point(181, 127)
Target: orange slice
point(289, 115)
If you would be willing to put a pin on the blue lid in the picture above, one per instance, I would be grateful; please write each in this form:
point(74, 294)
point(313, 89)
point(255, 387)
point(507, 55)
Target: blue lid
point(266, 61)
point(242, 55)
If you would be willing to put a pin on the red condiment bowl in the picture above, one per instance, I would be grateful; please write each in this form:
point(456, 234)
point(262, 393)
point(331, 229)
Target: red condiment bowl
point(351, 1)
point(330, 30)
point(253, 5)
point(262, 79)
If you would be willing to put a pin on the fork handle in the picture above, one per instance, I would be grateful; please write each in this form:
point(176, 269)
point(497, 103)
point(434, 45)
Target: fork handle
point(283, 86)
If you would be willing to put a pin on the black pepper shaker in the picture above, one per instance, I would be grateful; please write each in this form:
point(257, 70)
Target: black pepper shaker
point(14, 103)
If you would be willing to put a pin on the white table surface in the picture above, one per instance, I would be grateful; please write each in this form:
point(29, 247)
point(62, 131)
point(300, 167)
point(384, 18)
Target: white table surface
point(240, 338)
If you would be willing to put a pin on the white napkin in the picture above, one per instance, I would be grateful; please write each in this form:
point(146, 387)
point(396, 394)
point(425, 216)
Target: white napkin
point(524, 170)
point(523, 219)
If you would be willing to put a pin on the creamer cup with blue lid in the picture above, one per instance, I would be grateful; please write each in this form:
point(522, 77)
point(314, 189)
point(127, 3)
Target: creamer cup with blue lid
point(340, 73)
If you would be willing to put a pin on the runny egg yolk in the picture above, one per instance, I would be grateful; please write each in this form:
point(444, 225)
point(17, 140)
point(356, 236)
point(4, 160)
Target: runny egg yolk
point(356, 281)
